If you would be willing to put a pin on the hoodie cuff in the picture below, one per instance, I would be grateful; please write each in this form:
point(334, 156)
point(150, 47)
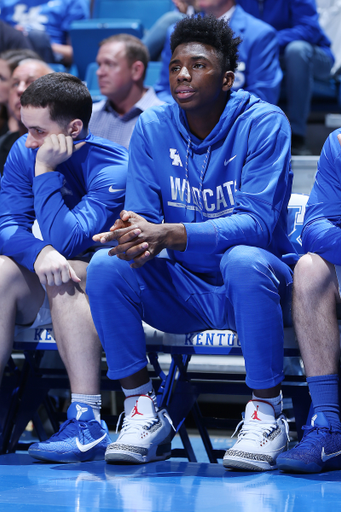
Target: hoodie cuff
point(201, 237)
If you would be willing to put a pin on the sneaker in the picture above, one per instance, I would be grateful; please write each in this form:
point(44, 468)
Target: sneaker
point(319, 450)
point(145, 436)
point(261, 438)
point(81, 438)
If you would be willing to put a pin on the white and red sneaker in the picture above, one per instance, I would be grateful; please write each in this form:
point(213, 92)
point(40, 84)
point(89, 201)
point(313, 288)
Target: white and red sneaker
point(261, 438)
point(145, 436)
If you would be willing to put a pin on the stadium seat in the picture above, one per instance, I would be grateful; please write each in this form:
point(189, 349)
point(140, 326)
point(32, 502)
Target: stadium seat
point(87, 34)
point(148, 11)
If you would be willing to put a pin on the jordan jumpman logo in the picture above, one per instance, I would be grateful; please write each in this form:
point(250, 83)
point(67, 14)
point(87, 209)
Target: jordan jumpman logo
point(135, 411)
point(255, 415)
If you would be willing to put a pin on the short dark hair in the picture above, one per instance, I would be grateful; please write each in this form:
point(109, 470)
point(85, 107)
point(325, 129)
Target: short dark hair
point(14, 57)
point(135, 49)
point(65, 95)
point(208, 30)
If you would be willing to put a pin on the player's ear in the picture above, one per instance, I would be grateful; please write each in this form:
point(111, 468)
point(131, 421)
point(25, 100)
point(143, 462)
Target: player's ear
point(75, 127)
point(228, 80)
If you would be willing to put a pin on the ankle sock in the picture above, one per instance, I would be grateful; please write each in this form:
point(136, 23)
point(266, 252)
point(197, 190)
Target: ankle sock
point(145, 389)
point(276, 402)
point(324, 392)
point(94, 401)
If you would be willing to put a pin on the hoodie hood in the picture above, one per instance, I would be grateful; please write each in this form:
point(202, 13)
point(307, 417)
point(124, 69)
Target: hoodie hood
point(238, 103)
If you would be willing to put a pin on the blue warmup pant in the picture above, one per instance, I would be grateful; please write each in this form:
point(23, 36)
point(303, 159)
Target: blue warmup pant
point(253, 297)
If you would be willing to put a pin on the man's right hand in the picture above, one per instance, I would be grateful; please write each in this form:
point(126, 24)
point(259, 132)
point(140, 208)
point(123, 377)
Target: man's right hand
point(53, 269)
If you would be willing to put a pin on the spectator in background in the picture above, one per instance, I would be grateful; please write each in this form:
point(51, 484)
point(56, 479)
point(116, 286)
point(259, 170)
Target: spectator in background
point(305, 54)
point(9, 60)
point(156, 35)
point(258, 71)
point(46, 24)
point(11, 39)
point(24, 74)
point(123, 61)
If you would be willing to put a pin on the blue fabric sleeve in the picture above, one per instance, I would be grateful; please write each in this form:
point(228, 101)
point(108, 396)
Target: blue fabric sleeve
point(322, 223)
point(68, 229)
point(305, 26)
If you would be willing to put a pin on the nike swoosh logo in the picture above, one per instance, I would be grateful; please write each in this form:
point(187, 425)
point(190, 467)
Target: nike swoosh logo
point(86, 447)
point(226, 162)
point(326, 457)
point(111, 189)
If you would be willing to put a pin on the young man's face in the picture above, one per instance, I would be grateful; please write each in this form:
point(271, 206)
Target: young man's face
point(196, 78)
point(39, 125)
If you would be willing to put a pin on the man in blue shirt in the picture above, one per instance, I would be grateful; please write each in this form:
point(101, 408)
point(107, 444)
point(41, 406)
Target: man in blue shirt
point(258, 70)
point(72, 184)
point(209, 180)
point(305, 54)
point(46, 24)
point(316, 301)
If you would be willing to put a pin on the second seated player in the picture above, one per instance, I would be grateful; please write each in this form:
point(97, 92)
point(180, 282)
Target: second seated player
point(72, 183)
point(209, 179)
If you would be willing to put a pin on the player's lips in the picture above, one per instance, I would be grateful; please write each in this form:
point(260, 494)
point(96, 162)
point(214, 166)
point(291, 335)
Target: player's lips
point(184, 92)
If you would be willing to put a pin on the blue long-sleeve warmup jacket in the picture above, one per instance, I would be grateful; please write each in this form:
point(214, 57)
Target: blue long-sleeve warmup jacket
point(258, 72)
point(82, 197)
point(294, 20)
point(322, 221)
point(230, 189)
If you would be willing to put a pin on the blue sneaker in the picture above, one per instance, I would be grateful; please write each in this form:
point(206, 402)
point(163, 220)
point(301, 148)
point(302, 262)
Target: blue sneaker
point(80, 438)
point(319, 450)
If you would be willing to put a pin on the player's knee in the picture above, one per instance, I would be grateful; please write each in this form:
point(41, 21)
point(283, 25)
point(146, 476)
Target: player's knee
point(312, 275)
point(10, 274)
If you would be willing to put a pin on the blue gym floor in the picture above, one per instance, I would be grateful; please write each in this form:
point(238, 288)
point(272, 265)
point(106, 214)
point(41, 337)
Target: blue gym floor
point(174, 485)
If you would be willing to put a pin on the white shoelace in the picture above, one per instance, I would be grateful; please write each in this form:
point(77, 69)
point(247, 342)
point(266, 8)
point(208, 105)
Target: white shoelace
point(139, 424)
point(254, 431)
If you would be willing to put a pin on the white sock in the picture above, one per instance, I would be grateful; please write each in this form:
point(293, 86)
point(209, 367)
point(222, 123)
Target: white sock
point(276, 402)
point(145, 389)
point(94, 401)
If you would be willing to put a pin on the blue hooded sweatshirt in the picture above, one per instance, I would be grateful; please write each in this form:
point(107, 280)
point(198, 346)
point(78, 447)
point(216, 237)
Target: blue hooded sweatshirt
point(232, 188)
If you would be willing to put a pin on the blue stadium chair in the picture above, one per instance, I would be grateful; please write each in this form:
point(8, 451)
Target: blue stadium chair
point(87, 34)
point(148, 11)
point(153, 73)
point(92, 82)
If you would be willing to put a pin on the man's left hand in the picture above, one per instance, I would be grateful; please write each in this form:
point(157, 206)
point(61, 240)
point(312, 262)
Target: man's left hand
point(54, 150)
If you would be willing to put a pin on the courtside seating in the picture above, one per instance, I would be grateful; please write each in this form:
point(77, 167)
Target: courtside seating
point(147, 11)
point(152, 75)
point(87, 34)
point(183, 366)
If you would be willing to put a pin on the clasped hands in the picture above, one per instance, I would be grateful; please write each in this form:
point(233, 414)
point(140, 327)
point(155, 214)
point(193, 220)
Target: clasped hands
point(140, 240)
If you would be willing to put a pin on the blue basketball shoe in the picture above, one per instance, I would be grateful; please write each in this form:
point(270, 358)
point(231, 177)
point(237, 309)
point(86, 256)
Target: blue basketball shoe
point(319, 450)
point(81, 438)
